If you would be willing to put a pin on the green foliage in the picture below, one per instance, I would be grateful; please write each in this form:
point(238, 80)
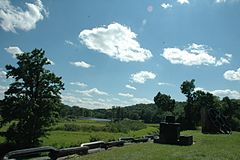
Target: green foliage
point(125, 126)
point(187, 88)
point(32, 100)
point(78, 127)
point(164, 102)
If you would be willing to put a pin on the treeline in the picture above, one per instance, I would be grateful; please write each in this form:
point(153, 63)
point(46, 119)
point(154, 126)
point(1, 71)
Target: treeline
point(151, 113)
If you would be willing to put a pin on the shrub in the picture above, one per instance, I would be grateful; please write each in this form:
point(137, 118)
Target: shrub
point(125, 126)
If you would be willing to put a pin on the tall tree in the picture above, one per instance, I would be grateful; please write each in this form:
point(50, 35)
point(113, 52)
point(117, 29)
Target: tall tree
point(32, 100)
point(164, 102)
point(187, 88)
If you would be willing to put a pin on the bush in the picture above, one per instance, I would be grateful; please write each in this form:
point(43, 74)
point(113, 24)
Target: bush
point(78, 127)
point(72, 127)
point(125, 126)
point(235, 124)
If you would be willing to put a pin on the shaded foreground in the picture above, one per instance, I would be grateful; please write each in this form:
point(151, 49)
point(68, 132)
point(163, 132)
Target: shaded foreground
point(207, 147)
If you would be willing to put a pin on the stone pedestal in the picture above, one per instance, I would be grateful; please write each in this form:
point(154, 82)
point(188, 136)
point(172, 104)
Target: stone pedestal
point(169, 133)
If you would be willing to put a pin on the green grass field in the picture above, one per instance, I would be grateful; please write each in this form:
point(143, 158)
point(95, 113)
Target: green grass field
point(206, 147)
point(86, 130)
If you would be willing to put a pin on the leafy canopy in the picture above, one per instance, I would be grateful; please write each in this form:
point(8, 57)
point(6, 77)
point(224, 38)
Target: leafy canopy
point(32, 100)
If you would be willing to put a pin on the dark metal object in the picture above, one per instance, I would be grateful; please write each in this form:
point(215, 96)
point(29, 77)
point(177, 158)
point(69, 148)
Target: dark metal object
point(28, 152)
point(93, 145)
point(149, 136)
point(139, 140)
point(68, 151)
point(169, 132)
point(214, 122)
point(114, 144)
point(185, 140)
point(126, 139)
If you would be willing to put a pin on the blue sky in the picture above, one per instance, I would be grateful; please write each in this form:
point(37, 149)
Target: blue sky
point(122, 52)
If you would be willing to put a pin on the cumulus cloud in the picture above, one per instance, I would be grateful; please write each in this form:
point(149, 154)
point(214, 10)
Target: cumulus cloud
point(13, 50)
point(12, 18)
point(227, 92)
point(116, 41)
point(79, 84)
point(166, 5)
point(232, 75)
point(130, 87)
point(183, 1)
point(81, 64)
point(125, 94)
point(91, 103)
point(233, 94)
point(91, 92)
point(142, 76)
point(195, 54)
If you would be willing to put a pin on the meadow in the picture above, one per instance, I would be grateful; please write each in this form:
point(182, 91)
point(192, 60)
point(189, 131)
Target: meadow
point(205, 147)
point(71, 133)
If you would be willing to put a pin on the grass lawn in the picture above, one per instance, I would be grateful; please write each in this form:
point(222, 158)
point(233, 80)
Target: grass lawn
point(61, 139)
point(206, 147)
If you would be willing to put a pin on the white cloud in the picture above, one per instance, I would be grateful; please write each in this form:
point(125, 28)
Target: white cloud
point(91, 92)
point(13, 50)
point(228, 56)
point(141, 100)
point(227, 92)
point(79, 84)
point(194, 55)
point(165, 84)
point(90, 103)
point(71, 100)
point(81, 64)
point(183, 1)
point(166, 5)
point(130, 87)
point(3, 74)
point(125, 94)
point(221, 1)
point(116, 41)
point(232, 75)
point(69, 42)
point(226, 1)
point(142, 76)
point(12, 17)
point(224, 60)
point(233, 94)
